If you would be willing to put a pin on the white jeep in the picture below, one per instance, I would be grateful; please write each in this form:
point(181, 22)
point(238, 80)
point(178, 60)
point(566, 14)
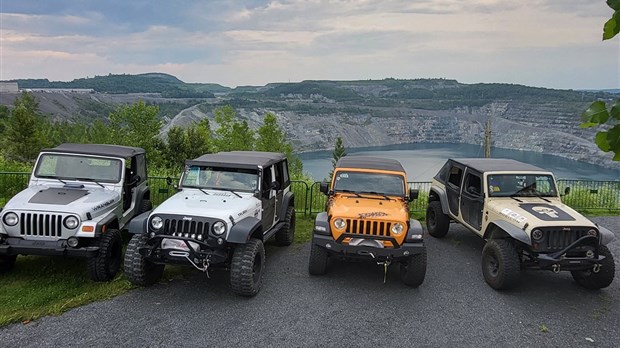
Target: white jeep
point(228, 205)
point(517, 209)
point(79, 198)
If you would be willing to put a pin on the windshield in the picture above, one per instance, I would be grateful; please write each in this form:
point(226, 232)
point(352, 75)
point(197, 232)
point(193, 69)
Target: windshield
point(521, 185)
point(359, 182)
point(75, 167)
point(220, 178)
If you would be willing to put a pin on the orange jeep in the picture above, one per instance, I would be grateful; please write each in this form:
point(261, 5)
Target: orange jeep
point(367, 218)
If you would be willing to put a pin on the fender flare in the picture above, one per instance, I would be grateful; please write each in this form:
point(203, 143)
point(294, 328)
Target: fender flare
point(443, 198)
point(243, 230)
point(322, 221)
point(137, 225)
point(288, 199)
point(416, 232)
point(106, 221)
point(606, 235)
point(511, 230)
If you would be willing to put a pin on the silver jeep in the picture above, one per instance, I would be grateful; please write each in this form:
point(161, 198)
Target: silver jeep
point(516, 208)
point(228, 205)
point(79, 198)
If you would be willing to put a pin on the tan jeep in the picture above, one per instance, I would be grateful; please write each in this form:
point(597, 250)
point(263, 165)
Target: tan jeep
point(367, 218)
point(517, 209)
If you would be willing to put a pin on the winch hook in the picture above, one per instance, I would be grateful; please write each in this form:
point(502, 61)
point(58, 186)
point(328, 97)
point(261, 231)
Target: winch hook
point(596, 268)
point(556, 268)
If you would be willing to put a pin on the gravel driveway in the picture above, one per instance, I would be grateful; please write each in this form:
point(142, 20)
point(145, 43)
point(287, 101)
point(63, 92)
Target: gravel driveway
point(350, 306)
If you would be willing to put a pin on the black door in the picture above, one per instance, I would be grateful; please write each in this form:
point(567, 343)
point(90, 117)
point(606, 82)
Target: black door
point(453, 188)
point(472, 200)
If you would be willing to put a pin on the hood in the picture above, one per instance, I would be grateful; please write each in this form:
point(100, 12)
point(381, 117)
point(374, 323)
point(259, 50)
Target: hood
point(537, 212)
point(217, 204)
point(62, 199)
point(368, 207)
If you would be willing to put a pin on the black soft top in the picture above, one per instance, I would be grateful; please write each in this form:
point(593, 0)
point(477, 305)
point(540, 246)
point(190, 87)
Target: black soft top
point(369, 162)
point(497, 164)
point(238, 159)
point(98, 149)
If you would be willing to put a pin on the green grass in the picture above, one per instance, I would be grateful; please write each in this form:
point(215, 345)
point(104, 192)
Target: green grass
point(39, 286)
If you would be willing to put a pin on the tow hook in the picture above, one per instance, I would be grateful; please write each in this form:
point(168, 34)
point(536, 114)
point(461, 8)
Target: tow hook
point(596, 268)
point(385, 264)
point(556, 268)
point(205, 265)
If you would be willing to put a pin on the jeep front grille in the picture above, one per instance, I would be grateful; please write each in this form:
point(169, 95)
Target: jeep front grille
point(367, 227)
point(556, 238)
point(174, 226)
point(43, 225)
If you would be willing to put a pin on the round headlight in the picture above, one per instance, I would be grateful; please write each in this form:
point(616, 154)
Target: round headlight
point(340, 223)
point(398, 228)
point(71, 222)
point(219, 228)
point(157, 222)
point(11, 219)
point(593, 233)
point(537, 234)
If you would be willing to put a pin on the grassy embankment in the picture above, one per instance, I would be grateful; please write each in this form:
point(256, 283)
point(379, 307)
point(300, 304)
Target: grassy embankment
point(40, 286)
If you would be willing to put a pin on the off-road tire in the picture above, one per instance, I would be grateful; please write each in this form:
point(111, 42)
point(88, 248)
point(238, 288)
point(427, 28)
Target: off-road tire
point(286, 234)
point(413, 269)
point(146, 206)
point(247, 267)
point(437, 223)
point(590, 280)
point(138, 270)
point(318, 260)
point(501, 267)
point(104, 266)
point(6, 263)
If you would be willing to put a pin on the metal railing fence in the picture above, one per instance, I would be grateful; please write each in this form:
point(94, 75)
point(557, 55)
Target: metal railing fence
point(584, 194)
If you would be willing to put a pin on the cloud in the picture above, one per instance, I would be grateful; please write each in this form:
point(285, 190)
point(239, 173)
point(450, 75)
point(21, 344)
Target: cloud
point(257, 42)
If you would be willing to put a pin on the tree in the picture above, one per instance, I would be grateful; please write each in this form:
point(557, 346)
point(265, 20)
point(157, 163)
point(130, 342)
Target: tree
point(23, 133)
point(136, 125)
point(597, 114)
point(232, 134)
point(270, 136)
point(338, 153)
point(199, 139)
point(176, 147)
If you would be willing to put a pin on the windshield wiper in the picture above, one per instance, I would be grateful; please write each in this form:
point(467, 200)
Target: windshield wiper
point(225, 189)
point(349, 191)
point(91, 180)
point(378, 194)
point(199, 188)
point(51, 177)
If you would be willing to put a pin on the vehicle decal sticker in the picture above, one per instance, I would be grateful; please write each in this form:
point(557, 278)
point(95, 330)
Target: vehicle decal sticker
point(57, 196)
point(371, 214)
point(103, 205)
point(512, 215)
point(546, 212)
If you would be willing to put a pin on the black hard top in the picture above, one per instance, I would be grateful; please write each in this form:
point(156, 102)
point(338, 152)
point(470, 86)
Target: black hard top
point(497, 164)
point(98, 149)
point(238, 159)
point(368, 162)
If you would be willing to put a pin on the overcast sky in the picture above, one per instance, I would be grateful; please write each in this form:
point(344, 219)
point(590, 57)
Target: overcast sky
point(546, 43)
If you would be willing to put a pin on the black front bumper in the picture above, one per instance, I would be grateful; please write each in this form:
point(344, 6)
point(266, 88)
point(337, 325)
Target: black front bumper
point(562, 260)
point(18, 246)
point(336, 247)
point(153, 252)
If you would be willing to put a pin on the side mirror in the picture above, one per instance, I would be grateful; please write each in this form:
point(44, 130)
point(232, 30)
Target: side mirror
point(136, 179)
point(275, 185)
point(413, 194)
point(324, 187)
point(169, 182)
point(567, 190)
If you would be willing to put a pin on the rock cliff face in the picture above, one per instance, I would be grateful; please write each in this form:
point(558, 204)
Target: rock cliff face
point(517, 126)
point(380, 112)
